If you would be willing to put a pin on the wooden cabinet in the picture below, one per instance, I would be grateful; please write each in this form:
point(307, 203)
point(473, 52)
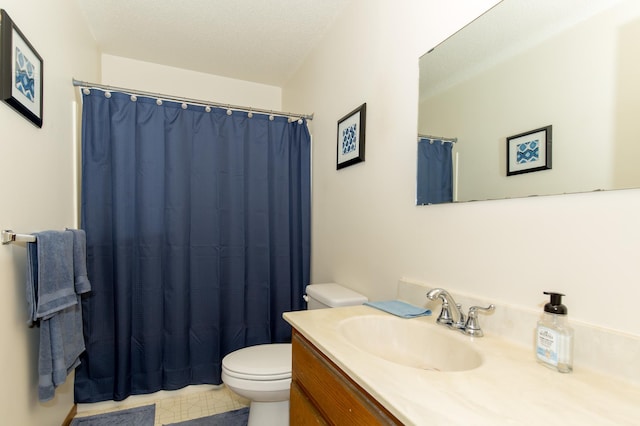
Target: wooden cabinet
point(322, 394)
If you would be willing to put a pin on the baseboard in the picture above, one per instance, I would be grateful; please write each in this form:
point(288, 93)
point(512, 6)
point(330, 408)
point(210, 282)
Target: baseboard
point(71, 415)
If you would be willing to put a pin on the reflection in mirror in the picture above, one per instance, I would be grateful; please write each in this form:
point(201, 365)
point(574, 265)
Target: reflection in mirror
point(525, 65)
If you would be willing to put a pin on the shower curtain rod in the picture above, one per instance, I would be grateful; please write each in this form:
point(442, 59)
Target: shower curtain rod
point(440, 138)
point(87, 85)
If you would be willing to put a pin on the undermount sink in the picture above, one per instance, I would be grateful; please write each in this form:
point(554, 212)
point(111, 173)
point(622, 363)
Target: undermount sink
point(411, 343)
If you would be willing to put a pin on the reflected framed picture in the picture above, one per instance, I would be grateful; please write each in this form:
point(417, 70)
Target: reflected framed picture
point(529, 151)
point(351, 137)
point(20, 71)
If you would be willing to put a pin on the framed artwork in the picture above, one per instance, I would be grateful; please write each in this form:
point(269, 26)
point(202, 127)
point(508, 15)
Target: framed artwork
point(529, 151)
point(20, 71)
point(351, 133)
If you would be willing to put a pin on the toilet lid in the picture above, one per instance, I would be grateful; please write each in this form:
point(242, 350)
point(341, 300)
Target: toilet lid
point(260, 362)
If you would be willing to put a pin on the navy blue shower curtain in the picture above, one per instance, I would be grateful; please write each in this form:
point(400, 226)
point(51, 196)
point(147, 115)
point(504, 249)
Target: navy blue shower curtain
point(198, 239)
point(435, 171)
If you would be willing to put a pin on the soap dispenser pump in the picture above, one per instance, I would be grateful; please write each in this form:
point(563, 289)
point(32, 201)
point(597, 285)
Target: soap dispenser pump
point(554, 336)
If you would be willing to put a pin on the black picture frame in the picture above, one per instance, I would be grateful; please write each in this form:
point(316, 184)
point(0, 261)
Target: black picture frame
point(351, 137)
point(529, 151)
point(21, 71)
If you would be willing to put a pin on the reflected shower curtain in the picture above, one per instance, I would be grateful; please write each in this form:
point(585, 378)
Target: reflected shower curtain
point(198, 228)
point(435, 171)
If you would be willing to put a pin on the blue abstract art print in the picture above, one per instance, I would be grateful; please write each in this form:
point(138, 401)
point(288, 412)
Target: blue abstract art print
point(529, 151)
point(349, 139)
point(25, 76)
point(20, 71)
point(351, 135)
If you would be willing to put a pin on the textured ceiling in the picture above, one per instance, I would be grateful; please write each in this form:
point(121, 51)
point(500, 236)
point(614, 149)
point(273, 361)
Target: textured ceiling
point(263, 41)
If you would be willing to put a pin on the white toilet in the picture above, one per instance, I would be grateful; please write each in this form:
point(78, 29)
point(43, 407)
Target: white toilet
point(262, 373)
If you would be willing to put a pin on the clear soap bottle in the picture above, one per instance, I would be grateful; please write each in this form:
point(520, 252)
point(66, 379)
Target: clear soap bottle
point(554, 336)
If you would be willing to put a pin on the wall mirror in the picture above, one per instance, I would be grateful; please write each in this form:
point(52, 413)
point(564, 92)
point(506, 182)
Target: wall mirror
point(525, 65)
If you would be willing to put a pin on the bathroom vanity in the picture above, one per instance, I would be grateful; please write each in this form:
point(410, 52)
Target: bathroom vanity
point(321, 393)
point(376, 379)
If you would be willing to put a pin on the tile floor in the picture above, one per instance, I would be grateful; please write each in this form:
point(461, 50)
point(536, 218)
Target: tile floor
point(177, 406)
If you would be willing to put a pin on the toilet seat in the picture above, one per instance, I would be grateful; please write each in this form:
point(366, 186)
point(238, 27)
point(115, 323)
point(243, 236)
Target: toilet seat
point(260, 362)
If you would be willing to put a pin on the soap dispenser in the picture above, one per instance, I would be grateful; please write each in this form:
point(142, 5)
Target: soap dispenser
point(554, 336)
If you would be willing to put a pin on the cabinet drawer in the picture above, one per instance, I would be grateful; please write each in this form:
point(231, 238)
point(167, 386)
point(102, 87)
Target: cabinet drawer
point(337, 398)
point(302, 412)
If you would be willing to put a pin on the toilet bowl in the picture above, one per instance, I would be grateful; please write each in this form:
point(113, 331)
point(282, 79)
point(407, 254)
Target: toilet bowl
point(262, 373)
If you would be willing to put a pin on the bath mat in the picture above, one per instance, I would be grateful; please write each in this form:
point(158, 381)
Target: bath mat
point(139, 416)
point(230, 418)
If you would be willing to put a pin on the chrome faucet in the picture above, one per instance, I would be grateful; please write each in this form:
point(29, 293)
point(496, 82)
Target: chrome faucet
point(448, 304)
point(469, 326)
point(472, 327)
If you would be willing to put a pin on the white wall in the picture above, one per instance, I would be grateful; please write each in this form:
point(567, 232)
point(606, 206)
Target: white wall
point(37, 187)
point(148, 77)
point(367, 232)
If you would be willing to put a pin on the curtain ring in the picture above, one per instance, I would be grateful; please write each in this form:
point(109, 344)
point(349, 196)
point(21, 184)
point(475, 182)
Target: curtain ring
point(86, 91)
point(207, 108)
point(158, 102)
point(184, 106)
point(107, 95)
point(134, 98)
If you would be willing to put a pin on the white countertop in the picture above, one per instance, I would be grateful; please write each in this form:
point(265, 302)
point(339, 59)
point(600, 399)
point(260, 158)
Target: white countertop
point(510, 387)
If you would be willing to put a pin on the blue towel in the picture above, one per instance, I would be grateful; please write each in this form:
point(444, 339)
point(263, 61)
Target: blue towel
point(61, 343)
point(55, 286)
point(399, 308)
point(56, 275)
point(32, 283)
point(81, 280)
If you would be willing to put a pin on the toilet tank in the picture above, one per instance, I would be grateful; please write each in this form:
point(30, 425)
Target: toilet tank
point(331, 295)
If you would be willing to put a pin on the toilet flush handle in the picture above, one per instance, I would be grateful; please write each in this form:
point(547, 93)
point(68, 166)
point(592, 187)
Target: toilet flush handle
point(305, 298)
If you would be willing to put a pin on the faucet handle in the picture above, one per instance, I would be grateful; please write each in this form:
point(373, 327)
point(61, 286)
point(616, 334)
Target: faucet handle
point(472, 327)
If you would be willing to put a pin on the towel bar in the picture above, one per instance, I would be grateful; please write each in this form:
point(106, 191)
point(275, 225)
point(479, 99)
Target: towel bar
point(8, 236)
